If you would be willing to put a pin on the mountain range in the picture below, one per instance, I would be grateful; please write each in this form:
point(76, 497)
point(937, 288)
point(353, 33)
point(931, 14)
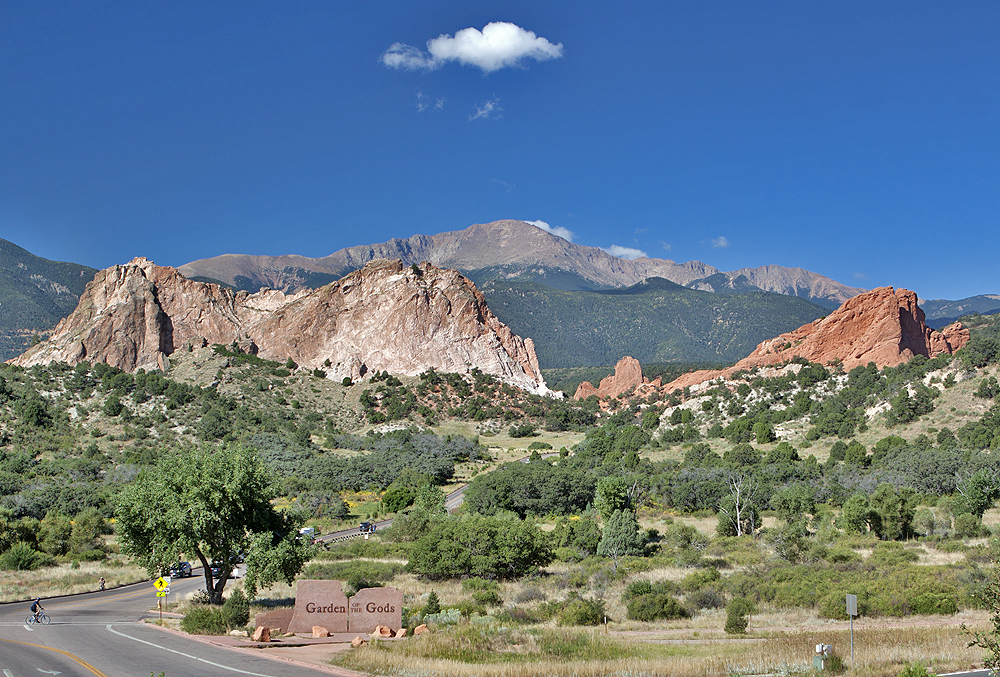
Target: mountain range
point(506, 250)
point(35, 294)
point(582, 305)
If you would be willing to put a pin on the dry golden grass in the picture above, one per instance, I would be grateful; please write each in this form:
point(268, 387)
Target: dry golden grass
point(64, 580)
point(515, 653)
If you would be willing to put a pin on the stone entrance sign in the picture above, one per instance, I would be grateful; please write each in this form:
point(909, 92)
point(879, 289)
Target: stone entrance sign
point(319, 603)
point(376, 606)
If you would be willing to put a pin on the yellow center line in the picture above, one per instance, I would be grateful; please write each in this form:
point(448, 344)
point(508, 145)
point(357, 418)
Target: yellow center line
point(64, 653)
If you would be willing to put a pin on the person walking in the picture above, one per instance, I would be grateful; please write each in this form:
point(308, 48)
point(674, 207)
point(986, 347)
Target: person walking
point(102, 583)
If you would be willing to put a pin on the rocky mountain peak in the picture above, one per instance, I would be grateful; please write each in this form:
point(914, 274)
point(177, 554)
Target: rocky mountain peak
point(386, 316)
point(884, 326)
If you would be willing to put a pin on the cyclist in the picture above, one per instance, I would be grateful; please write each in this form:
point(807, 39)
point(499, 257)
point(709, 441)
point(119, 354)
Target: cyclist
point(102, 583)
point(36, 608)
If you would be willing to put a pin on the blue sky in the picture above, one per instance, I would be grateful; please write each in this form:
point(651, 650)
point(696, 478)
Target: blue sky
point(858, 140)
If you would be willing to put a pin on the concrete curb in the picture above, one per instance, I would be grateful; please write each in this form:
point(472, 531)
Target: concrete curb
point(213, 641)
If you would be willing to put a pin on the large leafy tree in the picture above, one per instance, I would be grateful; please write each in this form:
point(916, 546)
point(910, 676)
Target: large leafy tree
point(211, 504)
point(494, 547)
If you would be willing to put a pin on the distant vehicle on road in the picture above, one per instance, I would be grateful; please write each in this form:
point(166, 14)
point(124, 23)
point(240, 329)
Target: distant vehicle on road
point(368, 527)
point(179, 570)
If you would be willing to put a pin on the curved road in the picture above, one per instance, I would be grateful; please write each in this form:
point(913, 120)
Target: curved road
point(99, 634)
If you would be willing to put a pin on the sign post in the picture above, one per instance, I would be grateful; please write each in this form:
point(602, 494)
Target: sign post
point(162, 586)
point(852, 611)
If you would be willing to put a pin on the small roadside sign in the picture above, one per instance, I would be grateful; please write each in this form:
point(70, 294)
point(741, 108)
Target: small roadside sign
point(161, 593)
point(160, 583)
point(852, 605)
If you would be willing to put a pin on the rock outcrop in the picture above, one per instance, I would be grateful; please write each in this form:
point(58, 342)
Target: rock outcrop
point(386, 316)
point(884, 326)
point(628, 375)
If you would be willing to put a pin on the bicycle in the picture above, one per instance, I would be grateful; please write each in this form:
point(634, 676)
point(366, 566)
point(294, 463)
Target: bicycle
point(41, 618)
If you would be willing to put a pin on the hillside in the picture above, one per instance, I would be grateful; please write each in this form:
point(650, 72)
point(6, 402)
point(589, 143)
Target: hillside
point(35, 294)
point(941, 313)
point(654, 321)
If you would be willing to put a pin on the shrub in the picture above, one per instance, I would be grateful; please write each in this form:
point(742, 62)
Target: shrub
point(582, 611)
point(204, 620)
point(968, 526)
point(706, 598)
point(526, 430)
point(914, 670)
point(891, 554)
point(656, 606)
point(22, 557)
point(236, 610)
point(738, 615)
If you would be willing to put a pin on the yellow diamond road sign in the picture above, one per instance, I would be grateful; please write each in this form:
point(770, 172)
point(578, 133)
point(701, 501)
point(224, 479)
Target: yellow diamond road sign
point(160, 583)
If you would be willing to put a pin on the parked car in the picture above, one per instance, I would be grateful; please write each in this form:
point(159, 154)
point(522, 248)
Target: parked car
point(217, 570)
point(179, 570)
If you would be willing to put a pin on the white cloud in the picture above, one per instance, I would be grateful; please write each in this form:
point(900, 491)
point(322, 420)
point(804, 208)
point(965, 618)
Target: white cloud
point(860, 276)
point(489, 109)
point(625, 252)
point(720, 242)
point(559, 231)
point(666, 246)
point(499, 45)
point(439, 103)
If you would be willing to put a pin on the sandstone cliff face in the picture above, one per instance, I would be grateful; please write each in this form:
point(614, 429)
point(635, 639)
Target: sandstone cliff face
point(628, 375)
point(385, 316)
point(884, 326)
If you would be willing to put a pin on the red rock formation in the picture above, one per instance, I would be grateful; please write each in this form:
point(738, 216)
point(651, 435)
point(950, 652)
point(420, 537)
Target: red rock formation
point(883, 326)
point(386, 316)
point(628, 375)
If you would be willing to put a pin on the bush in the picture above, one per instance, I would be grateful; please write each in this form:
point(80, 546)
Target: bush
point(204, 620)
point(582, 611)
point(915, 670)
point(706, 598)
point(738, 615)
point(22, 557)
point(656, 606)
point(236, 610)
point(526, 430)
point(888, 554)
point(968, 525)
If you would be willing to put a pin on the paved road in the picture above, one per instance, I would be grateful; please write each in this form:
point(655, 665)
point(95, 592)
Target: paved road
point(451, 502)
point(99, 634)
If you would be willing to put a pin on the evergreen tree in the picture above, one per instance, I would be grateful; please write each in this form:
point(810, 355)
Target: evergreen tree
point(621, 537)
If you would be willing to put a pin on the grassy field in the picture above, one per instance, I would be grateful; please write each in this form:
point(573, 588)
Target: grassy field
point(495, 651)
point(64, 579)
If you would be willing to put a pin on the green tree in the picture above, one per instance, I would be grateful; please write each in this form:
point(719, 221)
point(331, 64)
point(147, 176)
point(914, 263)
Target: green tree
point(54, 533)
point(621, 537)
point(214, 504)
point(612, 495)
point(854, 514)
point(433, 605)
point(976, 493)
point(793, 503)
point(494, 547)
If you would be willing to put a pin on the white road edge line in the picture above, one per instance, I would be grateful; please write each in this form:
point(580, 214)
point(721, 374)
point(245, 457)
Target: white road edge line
point(7, 673)
point(28, 628)
point(181, 653)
